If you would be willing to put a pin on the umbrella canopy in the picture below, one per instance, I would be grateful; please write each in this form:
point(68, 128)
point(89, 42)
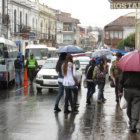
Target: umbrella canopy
point(100, 53)
point(70, 49)
point(117, 50)
point(130, 61)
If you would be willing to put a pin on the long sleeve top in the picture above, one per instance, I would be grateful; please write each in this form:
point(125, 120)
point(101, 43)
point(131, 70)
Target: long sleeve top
point(71, 71)
point(129, 80)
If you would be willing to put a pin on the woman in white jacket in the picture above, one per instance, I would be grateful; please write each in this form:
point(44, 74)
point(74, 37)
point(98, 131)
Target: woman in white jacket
point(70, 83)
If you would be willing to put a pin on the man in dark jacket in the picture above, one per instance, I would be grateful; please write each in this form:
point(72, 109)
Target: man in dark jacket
point(18, 71)
point(90, 82)
point(130, 81)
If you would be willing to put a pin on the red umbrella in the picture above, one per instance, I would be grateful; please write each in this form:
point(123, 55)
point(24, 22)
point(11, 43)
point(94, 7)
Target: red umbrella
point(130, 61)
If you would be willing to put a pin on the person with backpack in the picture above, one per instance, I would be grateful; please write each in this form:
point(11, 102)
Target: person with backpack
point(90, 83)
point(18, 71)
point(99, 75)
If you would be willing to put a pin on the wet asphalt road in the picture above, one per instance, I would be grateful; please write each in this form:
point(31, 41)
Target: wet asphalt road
point(27, 115)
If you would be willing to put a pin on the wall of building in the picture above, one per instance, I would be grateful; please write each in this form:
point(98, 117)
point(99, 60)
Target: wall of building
point(128, 30)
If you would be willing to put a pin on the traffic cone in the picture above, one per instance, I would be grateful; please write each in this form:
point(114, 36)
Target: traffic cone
point(25, 78)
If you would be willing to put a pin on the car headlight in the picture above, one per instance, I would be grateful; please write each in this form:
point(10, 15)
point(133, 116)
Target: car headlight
point(39, 76)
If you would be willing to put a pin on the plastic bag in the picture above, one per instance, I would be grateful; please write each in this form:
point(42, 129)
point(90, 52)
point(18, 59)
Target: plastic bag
point(123, 103)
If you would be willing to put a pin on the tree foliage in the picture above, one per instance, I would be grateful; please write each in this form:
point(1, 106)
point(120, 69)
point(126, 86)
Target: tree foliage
point(129, 42)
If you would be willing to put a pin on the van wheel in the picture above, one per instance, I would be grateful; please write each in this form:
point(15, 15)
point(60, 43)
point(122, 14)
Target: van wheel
point(39, 89)
point(5, 85)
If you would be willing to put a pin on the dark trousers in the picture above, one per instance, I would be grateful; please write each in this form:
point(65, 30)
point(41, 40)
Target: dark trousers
point(132, 97)
point(117, 88)
point(90, 89)
point(71, 96)
point(101, 91)
point(31, 74)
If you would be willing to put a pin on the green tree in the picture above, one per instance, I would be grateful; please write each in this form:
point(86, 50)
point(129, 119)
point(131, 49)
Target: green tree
point(129, 42)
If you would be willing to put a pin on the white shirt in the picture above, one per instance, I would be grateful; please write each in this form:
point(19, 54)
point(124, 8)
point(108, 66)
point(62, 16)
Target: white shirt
point(68, 79)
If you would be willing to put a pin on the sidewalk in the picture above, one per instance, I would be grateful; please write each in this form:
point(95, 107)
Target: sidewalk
point(110, 121)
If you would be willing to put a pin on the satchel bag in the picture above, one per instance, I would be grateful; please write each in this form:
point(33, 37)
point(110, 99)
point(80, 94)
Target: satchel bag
point(112, 83)
point(123, 103)
point(85, 83)
point(85, 80)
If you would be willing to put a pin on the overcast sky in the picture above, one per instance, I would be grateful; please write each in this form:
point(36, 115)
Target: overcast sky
point(89, 12)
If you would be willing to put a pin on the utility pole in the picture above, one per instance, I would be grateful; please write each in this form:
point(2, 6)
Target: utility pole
point(7, 19)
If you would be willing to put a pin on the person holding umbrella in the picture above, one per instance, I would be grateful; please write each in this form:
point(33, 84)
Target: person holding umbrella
point(130, 84)
point(60, 80)
point(70, 84)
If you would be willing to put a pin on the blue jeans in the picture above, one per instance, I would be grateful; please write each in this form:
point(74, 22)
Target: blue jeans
point(91, 89)
point(18, 76)
point(60, 93)
point(101, 90)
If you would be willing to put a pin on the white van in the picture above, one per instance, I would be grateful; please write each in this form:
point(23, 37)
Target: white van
point(52, 52)
point(8, 54)
point(40, 52)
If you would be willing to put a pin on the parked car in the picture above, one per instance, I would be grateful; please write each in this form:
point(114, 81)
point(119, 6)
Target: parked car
point(47, 77)
point(84, 61)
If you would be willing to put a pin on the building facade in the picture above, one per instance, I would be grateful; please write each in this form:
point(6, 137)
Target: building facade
point(23, 26)
point(67, 29)
point(47, 25)
point(119, 29)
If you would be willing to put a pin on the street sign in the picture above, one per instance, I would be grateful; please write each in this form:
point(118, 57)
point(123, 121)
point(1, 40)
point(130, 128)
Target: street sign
point(124, 4)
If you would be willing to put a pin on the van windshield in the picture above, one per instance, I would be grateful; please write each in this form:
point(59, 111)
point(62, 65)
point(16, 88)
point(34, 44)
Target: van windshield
point(38, 53)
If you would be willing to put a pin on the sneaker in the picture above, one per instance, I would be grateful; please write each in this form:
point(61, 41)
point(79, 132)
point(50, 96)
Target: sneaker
point(88, 101)
point(117, 100)
point(56, 108)
point(67, 111)
point(104, 99)
point(99, 101)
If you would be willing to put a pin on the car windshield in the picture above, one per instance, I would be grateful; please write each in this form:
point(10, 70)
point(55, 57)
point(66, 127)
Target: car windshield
point(38, 53)
point(49, 65)
point(84, 60)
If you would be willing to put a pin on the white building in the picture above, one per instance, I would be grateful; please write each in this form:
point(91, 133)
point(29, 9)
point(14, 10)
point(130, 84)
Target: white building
point(23, 25)
point(3, 18)
point(67, 29)
point(47, 25)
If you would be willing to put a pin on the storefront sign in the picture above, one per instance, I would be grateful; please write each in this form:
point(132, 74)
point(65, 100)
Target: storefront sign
point(124, 4)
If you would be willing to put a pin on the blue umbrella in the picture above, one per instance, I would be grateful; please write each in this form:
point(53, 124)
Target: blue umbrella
point(70, 49)
point(100, 53)
point(117, 50)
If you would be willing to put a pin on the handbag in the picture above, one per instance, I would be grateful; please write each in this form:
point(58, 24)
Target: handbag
point(123, 103)
point(112, 83)
point(85, 80)
point(85, 83)
point(75, 79)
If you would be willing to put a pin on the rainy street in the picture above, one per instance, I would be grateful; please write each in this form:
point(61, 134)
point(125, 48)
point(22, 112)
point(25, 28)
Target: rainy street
point(26, 115)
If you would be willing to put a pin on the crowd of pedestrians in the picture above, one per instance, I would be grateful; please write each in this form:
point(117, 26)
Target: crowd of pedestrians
point(126, 83)
point(95, 75)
